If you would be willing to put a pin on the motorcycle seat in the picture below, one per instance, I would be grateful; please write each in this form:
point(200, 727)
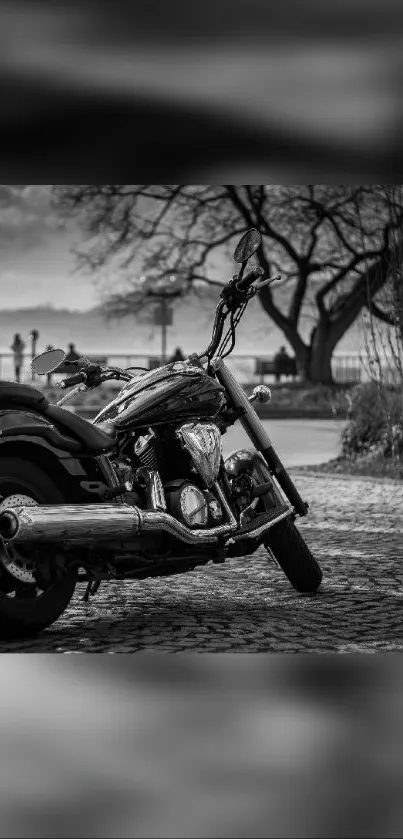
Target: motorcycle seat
point(25, 396)
point(92, 437)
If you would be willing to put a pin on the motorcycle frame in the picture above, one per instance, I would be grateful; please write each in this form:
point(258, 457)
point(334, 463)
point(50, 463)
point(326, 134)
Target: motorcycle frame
point(238, 401)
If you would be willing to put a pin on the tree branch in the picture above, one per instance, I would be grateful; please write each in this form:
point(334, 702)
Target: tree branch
point(380, 314)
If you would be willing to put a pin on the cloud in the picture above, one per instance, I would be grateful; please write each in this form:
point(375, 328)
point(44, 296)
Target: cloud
point(26, 215)
point(18, 288)
point(36, 195)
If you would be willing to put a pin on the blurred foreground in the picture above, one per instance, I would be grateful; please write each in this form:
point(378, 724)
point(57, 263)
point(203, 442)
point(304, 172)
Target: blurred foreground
point(201, 746)
point(236, 90)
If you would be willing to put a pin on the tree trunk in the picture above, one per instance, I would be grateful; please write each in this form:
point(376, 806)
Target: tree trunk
point(318, 368)
point(320, 365)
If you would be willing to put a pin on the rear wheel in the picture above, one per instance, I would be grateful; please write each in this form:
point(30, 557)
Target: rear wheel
point(294, 557)
point(35, 585)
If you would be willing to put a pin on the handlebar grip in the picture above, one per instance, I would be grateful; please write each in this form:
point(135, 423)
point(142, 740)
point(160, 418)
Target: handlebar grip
point(74, 380)
point(250, 278)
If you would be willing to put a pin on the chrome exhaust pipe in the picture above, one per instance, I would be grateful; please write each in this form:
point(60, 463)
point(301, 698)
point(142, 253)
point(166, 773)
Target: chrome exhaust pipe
point(86, 525)
point(78, 524)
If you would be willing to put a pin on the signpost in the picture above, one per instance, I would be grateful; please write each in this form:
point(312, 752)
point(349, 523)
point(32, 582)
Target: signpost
point(162, 293)
point(163, 317)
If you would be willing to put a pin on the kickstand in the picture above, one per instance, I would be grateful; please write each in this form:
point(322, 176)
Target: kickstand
point(91, 590)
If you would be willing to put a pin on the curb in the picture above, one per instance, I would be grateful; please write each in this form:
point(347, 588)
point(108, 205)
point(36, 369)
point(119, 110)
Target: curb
point(279, 413)
point(343, 476)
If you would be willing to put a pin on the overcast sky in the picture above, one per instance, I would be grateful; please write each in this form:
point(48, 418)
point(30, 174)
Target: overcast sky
point(37, 266)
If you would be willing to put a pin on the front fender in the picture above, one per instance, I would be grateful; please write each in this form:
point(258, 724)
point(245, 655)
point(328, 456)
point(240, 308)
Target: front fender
point(251, 462)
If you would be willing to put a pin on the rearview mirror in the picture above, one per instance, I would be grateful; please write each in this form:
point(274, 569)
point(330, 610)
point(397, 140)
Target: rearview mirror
point(47, 362)
point(248, 245)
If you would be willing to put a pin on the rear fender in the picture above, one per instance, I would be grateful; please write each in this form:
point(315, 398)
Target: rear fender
point(84, 478)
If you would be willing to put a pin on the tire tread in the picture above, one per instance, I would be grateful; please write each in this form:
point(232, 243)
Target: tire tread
point(294, 557)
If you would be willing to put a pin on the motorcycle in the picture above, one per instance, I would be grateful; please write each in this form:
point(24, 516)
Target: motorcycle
point(143, 490)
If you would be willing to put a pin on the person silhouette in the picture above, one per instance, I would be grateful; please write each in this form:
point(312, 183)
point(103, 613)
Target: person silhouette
point(72, 355)
point(281, 360)
point(178, 355)
point(18, 348)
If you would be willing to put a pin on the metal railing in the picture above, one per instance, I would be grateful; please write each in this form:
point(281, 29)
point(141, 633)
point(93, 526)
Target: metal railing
point(346, 367)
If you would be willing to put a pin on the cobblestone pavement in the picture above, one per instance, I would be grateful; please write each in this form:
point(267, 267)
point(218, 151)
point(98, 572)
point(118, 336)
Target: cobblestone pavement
point(355, 530)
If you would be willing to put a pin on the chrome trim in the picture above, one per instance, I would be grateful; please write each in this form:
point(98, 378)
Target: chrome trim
point(248, 512)
point(202, 440)
point(157, 494)
point(261, 393)
point(154, 488)
point(90, 524)
point(231, 520)
point(163, 521)
point(68, 396)
point(78, 524)
point(86, 525)
point(255, 534)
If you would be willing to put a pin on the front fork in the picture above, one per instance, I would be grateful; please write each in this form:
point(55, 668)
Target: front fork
point(260, 439)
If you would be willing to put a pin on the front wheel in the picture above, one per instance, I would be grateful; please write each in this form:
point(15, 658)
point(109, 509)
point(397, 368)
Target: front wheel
point(35, 584)
point(294, 557)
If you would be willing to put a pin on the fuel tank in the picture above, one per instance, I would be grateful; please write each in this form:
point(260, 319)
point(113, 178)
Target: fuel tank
point(168, 394)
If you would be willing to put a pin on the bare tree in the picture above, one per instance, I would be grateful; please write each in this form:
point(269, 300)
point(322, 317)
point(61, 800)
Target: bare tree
point(333, 244)
point(388, 305)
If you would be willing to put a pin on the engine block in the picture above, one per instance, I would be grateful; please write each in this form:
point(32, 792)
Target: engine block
point(163, 453)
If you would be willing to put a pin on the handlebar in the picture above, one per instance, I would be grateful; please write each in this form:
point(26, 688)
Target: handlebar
point(232, 296)
point(77, 379)
point(93, 376)
point(250, 278)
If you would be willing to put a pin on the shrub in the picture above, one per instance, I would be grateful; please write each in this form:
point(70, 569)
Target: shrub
point(375, 423)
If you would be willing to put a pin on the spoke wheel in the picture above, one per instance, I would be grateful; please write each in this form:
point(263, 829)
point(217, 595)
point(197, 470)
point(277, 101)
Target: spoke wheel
point(36, 584)
point(19, 563)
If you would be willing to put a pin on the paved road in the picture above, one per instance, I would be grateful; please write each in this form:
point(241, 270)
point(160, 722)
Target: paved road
point(355, 529)
point(297, 441)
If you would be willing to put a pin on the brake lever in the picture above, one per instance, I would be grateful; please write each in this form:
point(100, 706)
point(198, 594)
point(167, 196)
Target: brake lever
point(68, 396)
point(118, 373)
point(271, 281)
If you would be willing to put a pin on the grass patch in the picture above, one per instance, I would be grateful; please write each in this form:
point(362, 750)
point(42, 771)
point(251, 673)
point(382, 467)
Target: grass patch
point(373, 467)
